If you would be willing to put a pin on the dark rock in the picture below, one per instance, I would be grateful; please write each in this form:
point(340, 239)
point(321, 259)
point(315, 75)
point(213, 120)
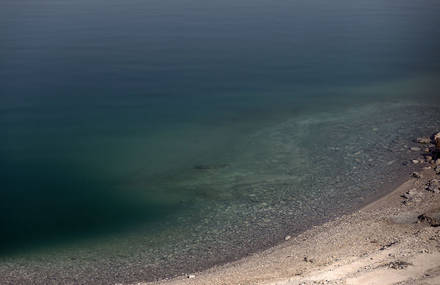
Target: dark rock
point(388, 245)
point(306, 259)
point(416, 175)
point(431, 217)
point(398, 265)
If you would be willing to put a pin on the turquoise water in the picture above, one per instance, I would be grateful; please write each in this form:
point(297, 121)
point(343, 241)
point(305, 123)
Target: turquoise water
point(144, 139)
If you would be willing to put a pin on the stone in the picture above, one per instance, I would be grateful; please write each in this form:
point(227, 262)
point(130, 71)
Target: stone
point(415, 148)
point(410, 193)
point(437, 169)
point(415, 161)
point(416, 175)
point(437, 139)
point(428, 158)
point(190, 276)
point(433, 186)
point(412, 196)
point(306, 259)
point(432, 218)
point(437, 161)
point(399, 265)
point(287, 237)
point(424, 140)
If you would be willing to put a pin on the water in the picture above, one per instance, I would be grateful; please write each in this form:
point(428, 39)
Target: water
point(143, 139)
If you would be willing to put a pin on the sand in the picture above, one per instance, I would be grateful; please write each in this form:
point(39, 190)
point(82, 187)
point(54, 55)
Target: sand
point(383, 243)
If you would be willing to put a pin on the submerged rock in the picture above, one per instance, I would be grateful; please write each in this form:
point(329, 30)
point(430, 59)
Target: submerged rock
point(209, 166)
point(424, 140)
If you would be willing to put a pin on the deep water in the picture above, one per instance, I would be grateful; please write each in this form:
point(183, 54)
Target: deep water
point(145, 139)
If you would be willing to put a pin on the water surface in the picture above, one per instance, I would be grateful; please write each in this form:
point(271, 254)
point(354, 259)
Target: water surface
point(143, 139)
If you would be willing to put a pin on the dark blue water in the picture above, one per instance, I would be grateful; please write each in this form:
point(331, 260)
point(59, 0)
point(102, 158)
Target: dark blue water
point(126, 124)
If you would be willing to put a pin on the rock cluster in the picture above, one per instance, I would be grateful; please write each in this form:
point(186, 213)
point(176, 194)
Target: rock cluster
point(436, 151)
point(431, 151)
point(412, 196)
point(424, 140)
point(433, 186)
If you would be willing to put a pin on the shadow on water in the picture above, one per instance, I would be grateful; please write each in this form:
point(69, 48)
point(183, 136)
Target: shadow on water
point(45, 206)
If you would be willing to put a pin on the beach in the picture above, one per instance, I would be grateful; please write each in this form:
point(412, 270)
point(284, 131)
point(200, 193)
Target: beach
point(393, 240)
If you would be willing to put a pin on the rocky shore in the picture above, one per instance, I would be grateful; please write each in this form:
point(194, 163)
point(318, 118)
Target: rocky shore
point(394, 240)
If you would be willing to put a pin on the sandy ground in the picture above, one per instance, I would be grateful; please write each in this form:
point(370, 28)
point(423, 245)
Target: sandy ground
point(387, 242)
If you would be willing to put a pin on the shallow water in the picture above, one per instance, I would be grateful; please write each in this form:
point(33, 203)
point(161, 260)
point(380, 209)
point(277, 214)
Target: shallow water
point(144, 139)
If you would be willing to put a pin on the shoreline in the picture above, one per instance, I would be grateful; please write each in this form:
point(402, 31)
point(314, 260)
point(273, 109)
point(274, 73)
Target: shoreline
point(269, 263)
point(384, 242)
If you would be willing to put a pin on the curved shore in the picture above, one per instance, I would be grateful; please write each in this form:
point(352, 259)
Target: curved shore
point(393, 240)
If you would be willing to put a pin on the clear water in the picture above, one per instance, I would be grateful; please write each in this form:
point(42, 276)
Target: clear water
point(144, 139)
